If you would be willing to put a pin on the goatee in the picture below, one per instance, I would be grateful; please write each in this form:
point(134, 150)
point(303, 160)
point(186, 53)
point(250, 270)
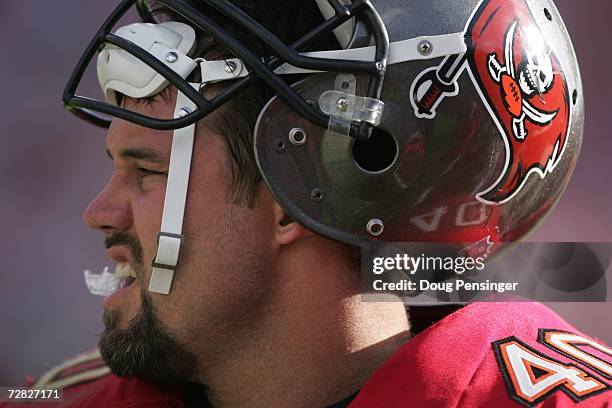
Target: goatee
point(144, 349)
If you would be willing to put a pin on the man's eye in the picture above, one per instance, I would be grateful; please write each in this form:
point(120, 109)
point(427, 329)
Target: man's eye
point(148, 172)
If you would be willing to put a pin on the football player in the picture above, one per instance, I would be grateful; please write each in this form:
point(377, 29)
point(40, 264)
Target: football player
point(257, 146)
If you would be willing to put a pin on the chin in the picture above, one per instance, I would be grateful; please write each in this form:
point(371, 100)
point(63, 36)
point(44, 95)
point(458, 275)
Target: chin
point(145, 348)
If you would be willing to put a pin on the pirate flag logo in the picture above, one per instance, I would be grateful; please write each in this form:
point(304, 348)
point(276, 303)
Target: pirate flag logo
point(520, 82)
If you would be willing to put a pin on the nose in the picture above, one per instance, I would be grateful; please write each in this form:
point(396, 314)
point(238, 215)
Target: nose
point(110, 210)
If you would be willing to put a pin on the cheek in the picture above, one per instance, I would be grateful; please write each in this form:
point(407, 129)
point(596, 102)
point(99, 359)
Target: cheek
point(224, 283)
point(147, 212)
point(226, 271)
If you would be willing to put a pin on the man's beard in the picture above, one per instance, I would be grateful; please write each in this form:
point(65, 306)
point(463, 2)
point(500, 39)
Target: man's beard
point(144, 349)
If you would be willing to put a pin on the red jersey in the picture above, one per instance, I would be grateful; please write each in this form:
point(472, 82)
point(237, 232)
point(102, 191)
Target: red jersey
point(494, 355)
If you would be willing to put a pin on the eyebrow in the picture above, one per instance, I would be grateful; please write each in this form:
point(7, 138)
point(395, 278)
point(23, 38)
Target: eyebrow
point(140, 154)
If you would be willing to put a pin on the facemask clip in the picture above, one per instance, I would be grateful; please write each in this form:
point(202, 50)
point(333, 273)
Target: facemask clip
point(345, 108)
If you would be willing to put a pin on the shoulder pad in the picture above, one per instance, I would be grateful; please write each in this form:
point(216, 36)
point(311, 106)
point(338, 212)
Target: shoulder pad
point(86, 366)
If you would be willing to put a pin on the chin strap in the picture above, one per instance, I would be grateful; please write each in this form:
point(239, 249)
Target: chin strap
point(169, 238)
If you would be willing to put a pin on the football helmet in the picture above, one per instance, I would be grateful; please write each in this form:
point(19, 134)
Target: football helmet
point(434, 121)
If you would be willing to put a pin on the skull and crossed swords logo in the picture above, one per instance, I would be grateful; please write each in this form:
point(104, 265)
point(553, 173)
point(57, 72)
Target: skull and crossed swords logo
point(534, 76)
point(521, 83)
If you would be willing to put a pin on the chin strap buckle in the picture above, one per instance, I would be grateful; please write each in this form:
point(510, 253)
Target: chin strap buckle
point(168, 249)
point(165, 261)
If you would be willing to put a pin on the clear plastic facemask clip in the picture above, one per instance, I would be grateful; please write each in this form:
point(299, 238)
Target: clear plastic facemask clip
point(345, 108)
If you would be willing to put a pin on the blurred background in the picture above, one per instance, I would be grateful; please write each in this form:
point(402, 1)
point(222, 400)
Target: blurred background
point(52, 165)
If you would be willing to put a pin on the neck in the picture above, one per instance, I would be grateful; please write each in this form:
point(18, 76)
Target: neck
point(318, 345)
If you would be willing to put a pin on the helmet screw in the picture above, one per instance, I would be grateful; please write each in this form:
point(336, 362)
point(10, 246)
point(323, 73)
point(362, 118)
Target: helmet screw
point(375, 227)
point(342, 104)
point(297, 136)
point(317, 195)
point(230, 67)
point(280, 145)
point(425, 47)
point(171, 57)
point(184, 112)
point(381, 69)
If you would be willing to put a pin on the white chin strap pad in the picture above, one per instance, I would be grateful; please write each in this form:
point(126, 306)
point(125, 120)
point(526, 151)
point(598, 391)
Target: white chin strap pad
point(120, 71)
point(169, 239)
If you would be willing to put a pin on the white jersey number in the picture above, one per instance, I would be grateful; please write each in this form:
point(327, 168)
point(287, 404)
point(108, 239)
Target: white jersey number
point(532, 376)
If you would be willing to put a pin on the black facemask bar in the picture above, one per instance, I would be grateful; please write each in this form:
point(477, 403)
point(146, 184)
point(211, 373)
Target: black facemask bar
point(88, 108)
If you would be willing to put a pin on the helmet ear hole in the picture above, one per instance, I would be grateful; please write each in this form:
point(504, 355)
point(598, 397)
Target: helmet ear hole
point(377, 154)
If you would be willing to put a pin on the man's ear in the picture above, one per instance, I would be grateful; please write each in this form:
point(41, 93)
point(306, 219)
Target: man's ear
point(286, 229)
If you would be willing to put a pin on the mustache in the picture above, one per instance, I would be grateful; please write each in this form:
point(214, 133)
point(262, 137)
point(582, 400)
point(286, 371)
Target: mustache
point(131, 242)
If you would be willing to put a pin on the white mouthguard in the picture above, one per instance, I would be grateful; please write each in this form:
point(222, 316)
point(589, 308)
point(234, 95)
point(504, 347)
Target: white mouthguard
point(103, 284)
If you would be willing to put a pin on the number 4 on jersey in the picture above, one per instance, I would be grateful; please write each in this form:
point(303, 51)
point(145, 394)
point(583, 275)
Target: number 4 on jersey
point(531, 376)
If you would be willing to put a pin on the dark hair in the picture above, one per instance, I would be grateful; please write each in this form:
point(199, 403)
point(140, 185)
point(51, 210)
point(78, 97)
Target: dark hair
point(235, 121)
